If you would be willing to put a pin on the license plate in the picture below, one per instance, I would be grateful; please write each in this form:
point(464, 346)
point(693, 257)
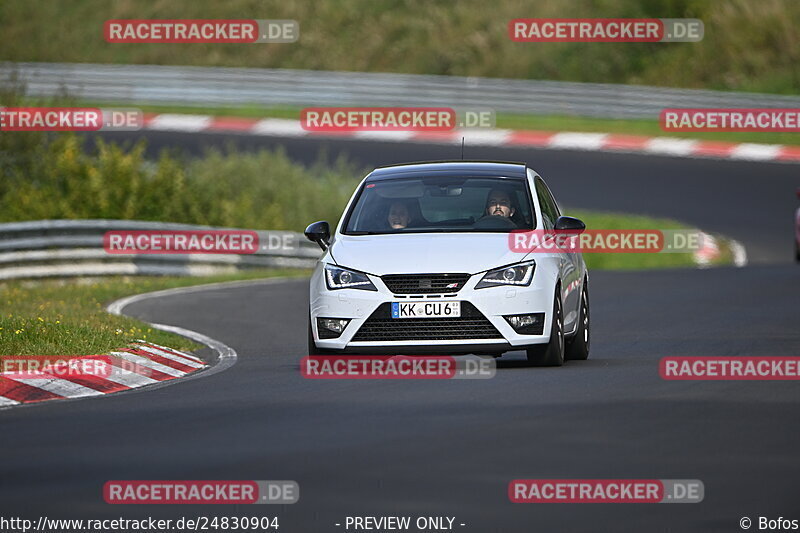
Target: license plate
point(426, 309)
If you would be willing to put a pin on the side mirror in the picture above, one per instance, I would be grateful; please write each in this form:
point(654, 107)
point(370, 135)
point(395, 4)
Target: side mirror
point(570, 224)
point(320, 233)
point(798, 192)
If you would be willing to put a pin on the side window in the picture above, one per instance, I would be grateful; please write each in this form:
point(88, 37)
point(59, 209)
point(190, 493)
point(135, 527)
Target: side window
point(549, 210)
point(553, 203)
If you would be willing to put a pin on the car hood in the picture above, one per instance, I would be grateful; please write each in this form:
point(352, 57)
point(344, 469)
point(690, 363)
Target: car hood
point(424, 253)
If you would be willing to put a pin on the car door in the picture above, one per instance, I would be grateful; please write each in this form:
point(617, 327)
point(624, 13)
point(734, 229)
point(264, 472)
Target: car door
point(570, 264)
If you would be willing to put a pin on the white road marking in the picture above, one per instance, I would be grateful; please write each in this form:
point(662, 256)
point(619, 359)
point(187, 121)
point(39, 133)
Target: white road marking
point(145, 362)
point(129, 379)
point(384, 135)
point(278, 127)
point(580, 141)
point(173, 357)
point(178, 122)
point(667, 145)
point(482, 136)
point(143, 342)
point(62, 387)
point(757, 152)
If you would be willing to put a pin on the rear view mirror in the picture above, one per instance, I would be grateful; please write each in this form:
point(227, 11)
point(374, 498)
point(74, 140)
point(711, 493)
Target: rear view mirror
point(320, 233)
point(570, 223)
point(448, 190)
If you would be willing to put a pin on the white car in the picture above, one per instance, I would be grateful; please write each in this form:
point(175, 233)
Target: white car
point(422, 263)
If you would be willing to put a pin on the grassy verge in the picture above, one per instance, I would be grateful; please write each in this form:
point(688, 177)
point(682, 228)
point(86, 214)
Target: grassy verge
point(747, 46)
point(68, 317)
point(603, 261)
point(517, 121)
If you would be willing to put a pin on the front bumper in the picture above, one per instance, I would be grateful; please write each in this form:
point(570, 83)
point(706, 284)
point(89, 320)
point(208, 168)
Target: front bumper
point(484, 330)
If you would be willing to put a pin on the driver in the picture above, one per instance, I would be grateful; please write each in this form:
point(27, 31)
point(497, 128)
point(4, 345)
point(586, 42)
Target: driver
point(399, 216)
point(498, 203)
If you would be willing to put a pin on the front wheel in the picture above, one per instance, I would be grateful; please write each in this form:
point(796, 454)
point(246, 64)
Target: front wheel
point(578, 345)
point(552, 353)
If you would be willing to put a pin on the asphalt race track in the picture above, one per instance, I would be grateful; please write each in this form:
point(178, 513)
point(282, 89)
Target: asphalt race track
point(450, 448)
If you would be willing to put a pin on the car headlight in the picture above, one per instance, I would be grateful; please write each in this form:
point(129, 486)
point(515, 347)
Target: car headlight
point(342, 278)
point(520, 274)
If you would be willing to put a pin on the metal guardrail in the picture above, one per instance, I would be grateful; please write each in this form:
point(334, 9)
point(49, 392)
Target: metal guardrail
point(155, 84)
point(63, 248)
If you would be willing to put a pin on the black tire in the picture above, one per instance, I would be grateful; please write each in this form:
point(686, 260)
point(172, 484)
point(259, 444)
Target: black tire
point(577, 348)
point(552, 353)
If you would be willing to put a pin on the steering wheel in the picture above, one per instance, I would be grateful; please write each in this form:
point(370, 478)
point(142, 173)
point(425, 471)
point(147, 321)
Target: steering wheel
point(494, 222)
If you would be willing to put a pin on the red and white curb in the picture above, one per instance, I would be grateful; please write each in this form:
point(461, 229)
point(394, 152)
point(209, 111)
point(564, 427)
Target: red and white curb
point(163, 366)
point(140, 364)
point(602, 142)
point(710, 251)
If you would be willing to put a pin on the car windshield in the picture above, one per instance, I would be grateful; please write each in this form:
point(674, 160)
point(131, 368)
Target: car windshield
point(441, 204)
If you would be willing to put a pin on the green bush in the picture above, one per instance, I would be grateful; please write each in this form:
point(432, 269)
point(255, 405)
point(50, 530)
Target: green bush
point(53, 177)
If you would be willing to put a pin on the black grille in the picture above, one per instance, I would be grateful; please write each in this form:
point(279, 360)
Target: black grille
point(425, 283)
point(380, 326)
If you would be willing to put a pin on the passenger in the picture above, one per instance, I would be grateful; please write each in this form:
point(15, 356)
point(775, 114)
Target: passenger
point(399, 216)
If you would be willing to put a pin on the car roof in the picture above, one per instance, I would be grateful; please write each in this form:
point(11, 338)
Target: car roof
point(450, 168)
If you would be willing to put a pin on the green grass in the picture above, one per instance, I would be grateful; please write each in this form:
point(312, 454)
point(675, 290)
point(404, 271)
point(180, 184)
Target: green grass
point(626, 261)
point(748, 45)
point(68, 317)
